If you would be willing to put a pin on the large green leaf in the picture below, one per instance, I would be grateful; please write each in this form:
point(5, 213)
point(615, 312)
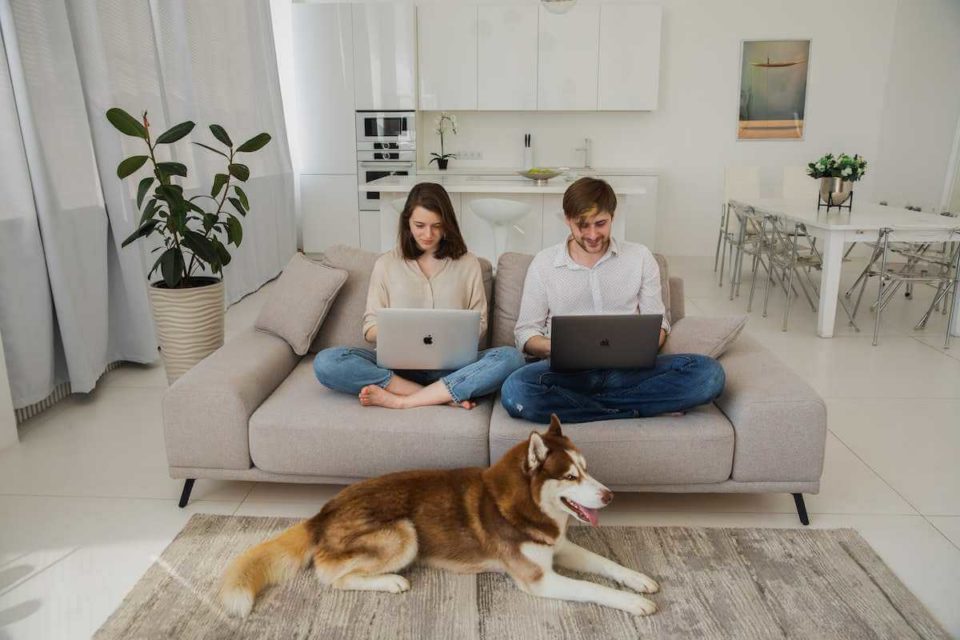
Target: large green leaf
point(238, 206)
point(218, 181)
point(221, 134)
point(173, 168)
point(143, 230)
point(255, 143)
point(209, 148)
point(171, 266)
point(222, 253)
point(175, 132)
point(234, 231)
point(239, 171)
point(126, 123)
point(130, 165)
point(200, 246)
point(149, 210)
point(142, 190)
point(242, 196)
point(209, 219)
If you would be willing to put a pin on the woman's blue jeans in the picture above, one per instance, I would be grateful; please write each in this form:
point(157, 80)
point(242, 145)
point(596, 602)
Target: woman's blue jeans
point(676, 383)
point(349, 369)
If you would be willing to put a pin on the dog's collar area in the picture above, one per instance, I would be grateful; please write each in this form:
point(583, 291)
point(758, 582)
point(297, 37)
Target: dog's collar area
point(583, 514)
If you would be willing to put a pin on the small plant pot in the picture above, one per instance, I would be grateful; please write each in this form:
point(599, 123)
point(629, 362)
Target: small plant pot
point(835, 191)
point(189, 323)
point(442, 164)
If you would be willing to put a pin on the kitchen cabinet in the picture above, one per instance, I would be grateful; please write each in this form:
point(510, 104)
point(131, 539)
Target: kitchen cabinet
point(448, 57)
point(323, 72)
point(568, 51)
point(507, 57)
point(384, 49)
point(629, 64)
point(330, 211)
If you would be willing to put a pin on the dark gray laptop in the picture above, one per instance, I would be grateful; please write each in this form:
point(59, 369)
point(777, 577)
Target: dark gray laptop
point(604, 342)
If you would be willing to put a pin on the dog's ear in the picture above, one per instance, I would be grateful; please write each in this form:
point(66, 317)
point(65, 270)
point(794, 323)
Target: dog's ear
point(554, 429)
point(536, 453)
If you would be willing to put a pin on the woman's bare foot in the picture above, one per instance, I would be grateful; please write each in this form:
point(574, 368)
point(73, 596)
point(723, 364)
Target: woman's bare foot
point(466, 404)
point(374, 396)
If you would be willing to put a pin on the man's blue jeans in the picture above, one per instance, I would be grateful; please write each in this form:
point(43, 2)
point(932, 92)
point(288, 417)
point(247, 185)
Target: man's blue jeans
point(676, 383)
point(349, 369)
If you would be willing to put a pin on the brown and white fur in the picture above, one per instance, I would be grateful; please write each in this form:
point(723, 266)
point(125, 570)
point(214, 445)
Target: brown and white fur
point(510, 517)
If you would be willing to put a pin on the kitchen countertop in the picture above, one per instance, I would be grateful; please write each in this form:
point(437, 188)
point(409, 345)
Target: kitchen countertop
point(494, 171)
point(474, 183)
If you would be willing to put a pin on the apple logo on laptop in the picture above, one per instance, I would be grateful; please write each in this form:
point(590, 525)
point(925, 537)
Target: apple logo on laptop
point(604, 342)
point(428, 339)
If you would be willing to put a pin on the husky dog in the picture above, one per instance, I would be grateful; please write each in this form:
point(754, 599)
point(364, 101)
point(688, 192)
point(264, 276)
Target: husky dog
point(510, 517)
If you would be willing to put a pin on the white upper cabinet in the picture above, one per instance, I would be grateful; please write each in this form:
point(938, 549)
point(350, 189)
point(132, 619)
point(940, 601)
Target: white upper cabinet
point(448, 57)
point(507, 57)
point(384, 46)
point(629, 56)
point(568, 56)
point(323, 69)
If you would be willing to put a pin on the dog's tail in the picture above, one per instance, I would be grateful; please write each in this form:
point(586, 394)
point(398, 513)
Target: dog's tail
point(270, 562)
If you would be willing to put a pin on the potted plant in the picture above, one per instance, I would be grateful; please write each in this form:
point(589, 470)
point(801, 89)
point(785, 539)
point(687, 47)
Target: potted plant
point(441, 123)
point(837, 175)
point(188, 308)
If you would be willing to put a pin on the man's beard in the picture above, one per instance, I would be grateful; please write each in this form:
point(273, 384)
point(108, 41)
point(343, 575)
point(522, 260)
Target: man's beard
point(583, 245)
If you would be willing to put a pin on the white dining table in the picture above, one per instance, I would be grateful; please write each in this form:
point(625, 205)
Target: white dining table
point(861, 224)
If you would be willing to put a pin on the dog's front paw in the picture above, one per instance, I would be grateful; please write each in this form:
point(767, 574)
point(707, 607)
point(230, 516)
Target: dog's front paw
point(640, 606)
point(641, 583)
point(396, 584)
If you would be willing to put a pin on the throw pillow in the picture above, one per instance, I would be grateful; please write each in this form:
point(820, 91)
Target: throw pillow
point(706, 336)
point(299, 302)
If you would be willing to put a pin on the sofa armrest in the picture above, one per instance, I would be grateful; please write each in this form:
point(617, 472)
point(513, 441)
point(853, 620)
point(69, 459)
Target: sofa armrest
point(206, 412)
point(677, 307)
point(779, 421)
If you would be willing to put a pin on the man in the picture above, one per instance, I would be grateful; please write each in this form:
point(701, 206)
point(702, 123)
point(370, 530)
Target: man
point(592, 273)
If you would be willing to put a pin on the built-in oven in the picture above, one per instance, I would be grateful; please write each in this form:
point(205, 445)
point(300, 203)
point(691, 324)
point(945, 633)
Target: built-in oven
point(368, 170)
point(386, 146)
point(398, 127)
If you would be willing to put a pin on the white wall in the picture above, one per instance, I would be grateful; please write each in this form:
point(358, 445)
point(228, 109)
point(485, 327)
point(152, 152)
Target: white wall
point(866, 60)
point(921, 104)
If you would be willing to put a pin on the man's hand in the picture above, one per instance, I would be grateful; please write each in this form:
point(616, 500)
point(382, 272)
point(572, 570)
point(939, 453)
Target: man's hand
point(538, 346)
point(663, 336)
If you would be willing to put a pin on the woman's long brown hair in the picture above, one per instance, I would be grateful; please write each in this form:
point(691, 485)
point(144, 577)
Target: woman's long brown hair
point(433, 197)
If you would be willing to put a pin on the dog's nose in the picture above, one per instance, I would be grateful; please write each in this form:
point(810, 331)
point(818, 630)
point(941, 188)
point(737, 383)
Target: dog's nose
point(606, 496)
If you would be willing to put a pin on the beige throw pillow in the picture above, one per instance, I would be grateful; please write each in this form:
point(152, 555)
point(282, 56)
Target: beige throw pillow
point(705, 336)
point(299, 302)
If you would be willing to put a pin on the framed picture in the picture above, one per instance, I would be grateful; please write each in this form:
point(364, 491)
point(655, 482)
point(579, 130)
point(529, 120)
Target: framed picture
point(773, 89)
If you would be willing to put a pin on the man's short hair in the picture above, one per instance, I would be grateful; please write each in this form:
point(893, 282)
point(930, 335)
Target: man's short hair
point(586, 194)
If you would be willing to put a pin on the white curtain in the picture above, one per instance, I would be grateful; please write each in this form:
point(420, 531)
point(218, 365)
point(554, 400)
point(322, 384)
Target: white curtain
point(71, 300)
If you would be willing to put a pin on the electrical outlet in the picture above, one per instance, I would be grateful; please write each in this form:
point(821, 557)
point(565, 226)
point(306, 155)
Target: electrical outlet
point(470, 155)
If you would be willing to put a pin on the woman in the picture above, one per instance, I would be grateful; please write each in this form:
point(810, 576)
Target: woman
point(429, 268)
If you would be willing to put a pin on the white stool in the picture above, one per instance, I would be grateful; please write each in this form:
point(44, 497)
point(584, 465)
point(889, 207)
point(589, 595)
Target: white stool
point(500, 214)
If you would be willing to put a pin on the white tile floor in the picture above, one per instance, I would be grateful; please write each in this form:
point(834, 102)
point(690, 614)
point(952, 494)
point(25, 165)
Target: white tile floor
point(86, 504)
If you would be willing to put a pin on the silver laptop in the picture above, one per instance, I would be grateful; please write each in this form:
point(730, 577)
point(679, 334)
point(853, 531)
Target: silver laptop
point(427, 338)
point(604, 342)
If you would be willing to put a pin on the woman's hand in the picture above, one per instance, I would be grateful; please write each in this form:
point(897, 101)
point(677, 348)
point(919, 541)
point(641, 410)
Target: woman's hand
point(371, 334)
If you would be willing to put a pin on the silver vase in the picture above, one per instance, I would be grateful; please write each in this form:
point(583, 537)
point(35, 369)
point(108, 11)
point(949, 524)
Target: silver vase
point(834, 191)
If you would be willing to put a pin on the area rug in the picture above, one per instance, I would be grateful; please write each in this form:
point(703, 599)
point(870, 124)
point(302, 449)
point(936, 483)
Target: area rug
point(715, 583)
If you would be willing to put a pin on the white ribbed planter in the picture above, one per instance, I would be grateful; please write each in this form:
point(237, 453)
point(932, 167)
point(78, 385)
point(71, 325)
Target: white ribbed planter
point(189, 324)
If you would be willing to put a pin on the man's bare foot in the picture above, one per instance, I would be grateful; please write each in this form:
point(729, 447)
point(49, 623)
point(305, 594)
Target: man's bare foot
point(466, 404)
point(374, 396)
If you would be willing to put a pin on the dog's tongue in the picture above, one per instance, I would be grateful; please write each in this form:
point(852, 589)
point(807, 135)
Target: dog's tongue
point(591, 514)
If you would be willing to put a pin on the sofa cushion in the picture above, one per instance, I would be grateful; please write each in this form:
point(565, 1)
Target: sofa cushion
point(299, 301)
point(511, 273)
point(304, 428)
point(690, 449)
point(706, 336)
point(342, 327)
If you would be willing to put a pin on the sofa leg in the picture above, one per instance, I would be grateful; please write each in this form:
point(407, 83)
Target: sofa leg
point(801, 508)
point(187, 488)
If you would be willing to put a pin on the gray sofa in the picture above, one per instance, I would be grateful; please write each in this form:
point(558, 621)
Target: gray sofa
point(252, 410)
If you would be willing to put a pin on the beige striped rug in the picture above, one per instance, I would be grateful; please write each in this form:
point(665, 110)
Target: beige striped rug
point(716, 583)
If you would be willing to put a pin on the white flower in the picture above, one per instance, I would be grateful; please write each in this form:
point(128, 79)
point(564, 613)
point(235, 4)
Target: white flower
point(820, 166)
point(846, 171)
